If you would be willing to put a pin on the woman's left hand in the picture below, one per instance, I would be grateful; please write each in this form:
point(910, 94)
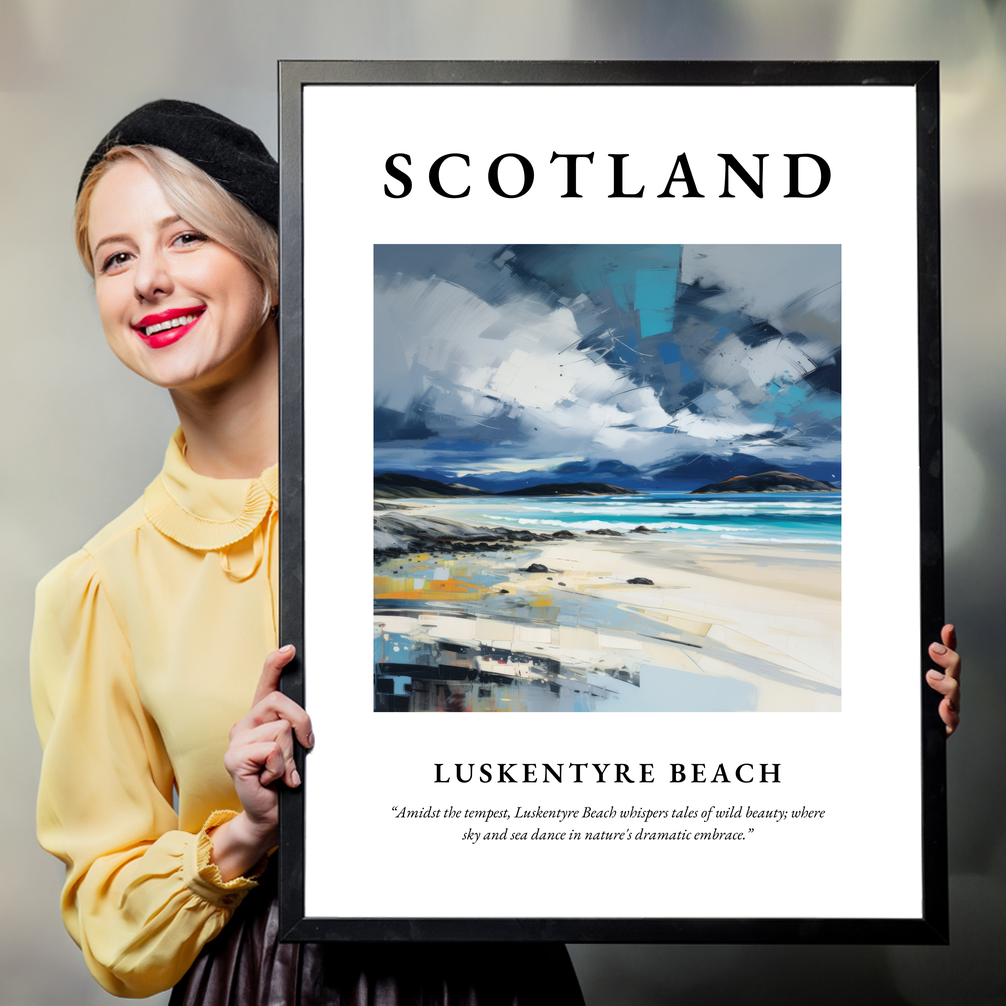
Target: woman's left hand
point(947, 682)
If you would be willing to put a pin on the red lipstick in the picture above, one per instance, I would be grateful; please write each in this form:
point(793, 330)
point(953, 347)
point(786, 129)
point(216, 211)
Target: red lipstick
point(166, 325)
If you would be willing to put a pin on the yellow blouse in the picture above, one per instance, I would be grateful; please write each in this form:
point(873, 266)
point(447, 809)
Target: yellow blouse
point(147, 647)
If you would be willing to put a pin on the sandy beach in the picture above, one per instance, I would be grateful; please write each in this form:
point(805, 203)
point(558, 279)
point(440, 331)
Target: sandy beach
point(722, 624)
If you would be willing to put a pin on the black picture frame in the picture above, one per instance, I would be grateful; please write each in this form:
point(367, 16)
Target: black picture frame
point(931, 927)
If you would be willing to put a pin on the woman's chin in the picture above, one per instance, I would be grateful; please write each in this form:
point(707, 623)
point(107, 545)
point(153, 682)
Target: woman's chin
point(175, 374)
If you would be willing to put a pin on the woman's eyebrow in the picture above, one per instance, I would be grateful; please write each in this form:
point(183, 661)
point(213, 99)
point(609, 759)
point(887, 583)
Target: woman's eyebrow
point(109, 240)
point(160, 225)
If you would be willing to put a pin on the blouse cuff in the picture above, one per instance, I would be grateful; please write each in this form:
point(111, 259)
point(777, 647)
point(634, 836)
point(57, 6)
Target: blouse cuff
point(202, 876)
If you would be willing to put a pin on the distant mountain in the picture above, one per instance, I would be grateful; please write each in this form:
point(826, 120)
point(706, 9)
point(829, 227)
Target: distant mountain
point(688, 469)
point(609, 467)
point(571, 489)
point(710, 466)
point(396, 486)
point(768, 482)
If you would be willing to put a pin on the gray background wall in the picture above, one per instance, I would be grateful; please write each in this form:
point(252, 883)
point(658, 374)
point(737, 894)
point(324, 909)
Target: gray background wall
point(82, 436)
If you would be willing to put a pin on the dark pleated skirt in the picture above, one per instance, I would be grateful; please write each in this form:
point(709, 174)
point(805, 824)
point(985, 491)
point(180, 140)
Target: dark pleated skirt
point(246, 965)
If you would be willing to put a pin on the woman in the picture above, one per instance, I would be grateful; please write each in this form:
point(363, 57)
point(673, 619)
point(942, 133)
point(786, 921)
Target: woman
point(148, 643)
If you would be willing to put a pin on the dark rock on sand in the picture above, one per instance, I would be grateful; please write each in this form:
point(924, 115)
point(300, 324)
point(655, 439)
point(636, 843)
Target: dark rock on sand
point(397, 533)
point(641, 580)
point(536, 567)
point(608, 531)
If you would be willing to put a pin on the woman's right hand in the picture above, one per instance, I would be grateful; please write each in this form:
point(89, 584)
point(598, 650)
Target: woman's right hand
point(260, 753)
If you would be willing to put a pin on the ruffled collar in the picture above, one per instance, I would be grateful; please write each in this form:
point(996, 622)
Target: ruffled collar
point(203, 513)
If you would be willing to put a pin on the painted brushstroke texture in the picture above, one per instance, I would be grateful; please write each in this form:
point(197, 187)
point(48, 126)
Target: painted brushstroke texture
point(658, 369)
point(497, 361)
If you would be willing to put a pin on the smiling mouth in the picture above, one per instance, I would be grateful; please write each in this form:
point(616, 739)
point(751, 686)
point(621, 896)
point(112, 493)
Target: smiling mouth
point(167, 321)
point(185, 319)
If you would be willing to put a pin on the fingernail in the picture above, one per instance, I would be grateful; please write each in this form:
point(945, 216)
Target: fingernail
point(287, 649)
point(938, 648)
point(295, 777)
point(310, 740)
point(936, 676)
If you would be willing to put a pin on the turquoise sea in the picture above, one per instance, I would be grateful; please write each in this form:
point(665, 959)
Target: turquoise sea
point(782, 518)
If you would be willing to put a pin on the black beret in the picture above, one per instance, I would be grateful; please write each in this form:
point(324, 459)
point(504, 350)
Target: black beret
point(231, 154)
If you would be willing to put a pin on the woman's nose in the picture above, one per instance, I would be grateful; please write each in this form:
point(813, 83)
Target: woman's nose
point(152, 277)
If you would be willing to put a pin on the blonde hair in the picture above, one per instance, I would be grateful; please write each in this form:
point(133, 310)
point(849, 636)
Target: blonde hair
point(199, 200)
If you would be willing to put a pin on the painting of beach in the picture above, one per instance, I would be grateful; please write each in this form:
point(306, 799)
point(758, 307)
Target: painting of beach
point(607, 478)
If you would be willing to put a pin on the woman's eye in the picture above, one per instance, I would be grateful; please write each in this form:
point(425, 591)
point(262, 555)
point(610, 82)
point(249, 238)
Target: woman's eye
point(114, 261)
point(189, 238)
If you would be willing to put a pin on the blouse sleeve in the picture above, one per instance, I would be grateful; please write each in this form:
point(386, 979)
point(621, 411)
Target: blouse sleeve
point(141, 898)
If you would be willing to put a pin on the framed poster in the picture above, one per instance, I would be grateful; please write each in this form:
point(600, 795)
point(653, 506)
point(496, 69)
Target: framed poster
point(610, 418)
